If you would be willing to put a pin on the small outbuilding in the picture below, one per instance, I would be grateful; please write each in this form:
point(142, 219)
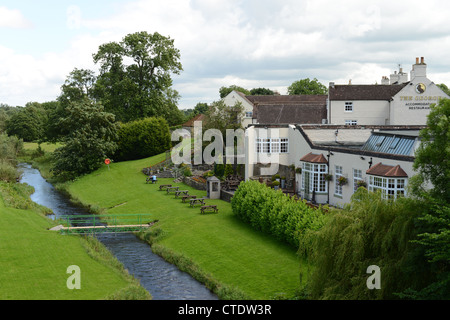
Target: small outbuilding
point(213, 187)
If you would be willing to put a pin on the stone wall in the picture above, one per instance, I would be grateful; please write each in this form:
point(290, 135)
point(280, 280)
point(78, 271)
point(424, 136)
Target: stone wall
point(194, 184)
point(226, 195)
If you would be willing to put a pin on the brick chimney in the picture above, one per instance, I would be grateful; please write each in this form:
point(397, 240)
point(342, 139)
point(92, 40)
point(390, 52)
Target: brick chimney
point(419, 69)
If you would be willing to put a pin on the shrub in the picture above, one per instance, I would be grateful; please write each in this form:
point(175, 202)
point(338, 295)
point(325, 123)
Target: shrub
point(8, 172)
point(187, 172)
point(142, 138)
point(275, 213)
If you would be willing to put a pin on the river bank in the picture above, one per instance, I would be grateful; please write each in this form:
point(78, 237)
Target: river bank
point(163, 280)
point(236, 261)
point(34, 261)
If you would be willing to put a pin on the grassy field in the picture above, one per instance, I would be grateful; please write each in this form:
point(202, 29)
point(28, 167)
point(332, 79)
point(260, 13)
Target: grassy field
point(219, 244)
point(34, 262)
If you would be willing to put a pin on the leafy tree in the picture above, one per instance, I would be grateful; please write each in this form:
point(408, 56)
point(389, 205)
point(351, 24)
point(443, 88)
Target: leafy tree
point(91, 137)
point(307, 86)
point(224, 91)
point(78, 85)
point(432, 156)
point(6, 112)
point(142, 88)
point(222, 117)
point(28, 123)
point(261, 92)
point(433, 168)
point(444, 88)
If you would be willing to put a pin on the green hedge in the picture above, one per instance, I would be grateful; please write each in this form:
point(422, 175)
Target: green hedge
point(272, 212)
point(142, 138)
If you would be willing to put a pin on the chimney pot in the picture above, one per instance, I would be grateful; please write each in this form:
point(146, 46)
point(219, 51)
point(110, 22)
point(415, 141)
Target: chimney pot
point(422, 60)
point(417, 60)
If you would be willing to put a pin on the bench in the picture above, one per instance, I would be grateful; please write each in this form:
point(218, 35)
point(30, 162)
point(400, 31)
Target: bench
point(188, 197)
point(195, 201)
point(212, 208)
point(163, 186)
point(172, 189)
point(180, 192)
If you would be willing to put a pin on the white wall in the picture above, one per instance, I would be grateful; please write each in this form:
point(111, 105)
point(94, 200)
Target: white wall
point(232, 98)
point(370, 112)
point(412, 108)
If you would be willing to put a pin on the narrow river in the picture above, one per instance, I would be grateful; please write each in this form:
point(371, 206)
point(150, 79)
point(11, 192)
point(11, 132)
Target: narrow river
point(162, 279)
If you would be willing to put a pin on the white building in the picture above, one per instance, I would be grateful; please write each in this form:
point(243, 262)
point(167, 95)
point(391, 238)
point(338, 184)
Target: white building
point(380, 156)
point(396, 101)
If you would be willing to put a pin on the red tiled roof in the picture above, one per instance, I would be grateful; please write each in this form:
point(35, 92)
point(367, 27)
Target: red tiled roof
point(314, 158)
point(190, 123)
point(386, 171)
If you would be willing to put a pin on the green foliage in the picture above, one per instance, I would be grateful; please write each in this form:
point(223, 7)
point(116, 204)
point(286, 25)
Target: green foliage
point(8, 172)
point(433, 224)
point(224, 91)
point(228, 170)
point(10, 148)
point(142, 138)
point(222, 117)
point(307, 86)
point(91, 138)
point(275, 213)
point(142, 88)
point(261, 92)
point(368, 231)
point(187, 172)
point(28, 123)
point(432, 156)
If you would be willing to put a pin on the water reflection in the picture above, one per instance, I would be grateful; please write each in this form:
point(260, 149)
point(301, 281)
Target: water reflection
point(163, 280)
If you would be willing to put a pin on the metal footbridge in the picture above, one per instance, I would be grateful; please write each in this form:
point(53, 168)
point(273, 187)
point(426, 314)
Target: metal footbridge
point(109, 223)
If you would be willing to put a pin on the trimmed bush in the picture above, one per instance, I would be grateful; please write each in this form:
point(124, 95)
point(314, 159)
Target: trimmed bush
point(142, 138)
point(275, 213)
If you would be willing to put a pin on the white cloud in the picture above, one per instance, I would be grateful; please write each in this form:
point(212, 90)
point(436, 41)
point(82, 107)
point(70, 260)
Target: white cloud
point(11, 18)
point(253, 43)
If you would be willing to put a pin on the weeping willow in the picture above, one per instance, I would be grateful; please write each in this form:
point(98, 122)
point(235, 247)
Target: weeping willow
point(368, 231)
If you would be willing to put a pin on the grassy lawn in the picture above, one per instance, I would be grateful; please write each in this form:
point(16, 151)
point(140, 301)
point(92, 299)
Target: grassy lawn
point(34, 261)
point(220, 244)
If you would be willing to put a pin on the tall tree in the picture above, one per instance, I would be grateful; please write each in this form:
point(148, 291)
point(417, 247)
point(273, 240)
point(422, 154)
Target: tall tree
point(91, 137)
point(143, 87)
point(307, 86)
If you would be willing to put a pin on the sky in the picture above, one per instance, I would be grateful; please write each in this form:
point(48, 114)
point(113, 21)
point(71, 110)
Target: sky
point(252, 44)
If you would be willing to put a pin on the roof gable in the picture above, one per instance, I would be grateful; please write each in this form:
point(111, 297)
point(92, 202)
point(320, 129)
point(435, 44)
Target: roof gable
point(383, 170)
point(314, 158)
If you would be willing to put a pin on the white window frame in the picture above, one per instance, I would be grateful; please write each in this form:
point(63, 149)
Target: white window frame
point(391, 188)
point(357, 176)
point(351, 122)
point(249, 114)
point(338, 172)
point(272, 145)
point(317, 172)
point(348, 107)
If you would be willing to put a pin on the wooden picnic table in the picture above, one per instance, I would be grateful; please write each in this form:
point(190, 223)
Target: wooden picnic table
point(164, 186)
point(180, 192)
point(195, 201)
point(213, 208)
point(171, 189)
point(188, 197)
